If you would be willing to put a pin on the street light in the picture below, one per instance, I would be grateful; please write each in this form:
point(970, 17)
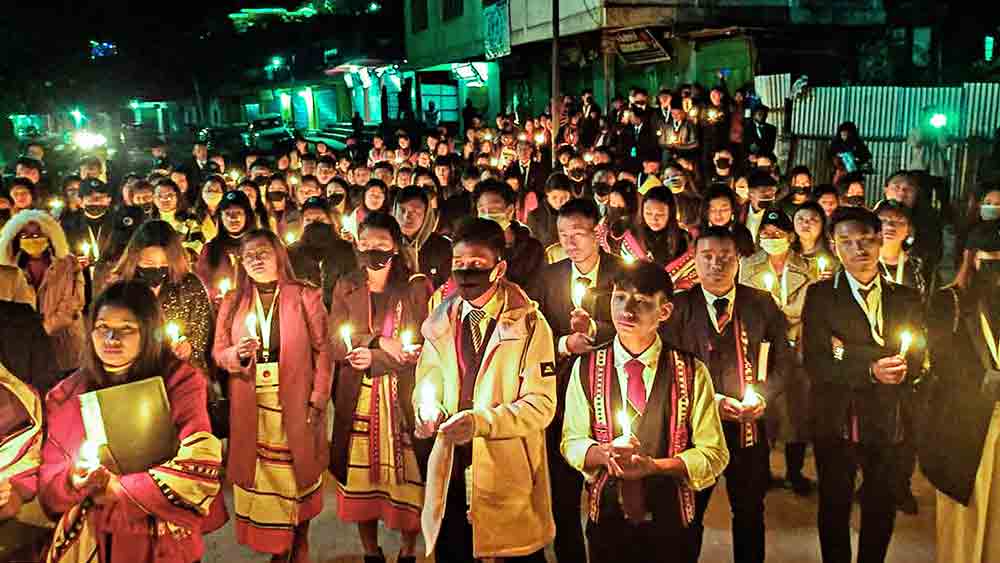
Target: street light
point(134, 104)
point(939, 120)
point(277, 62)
point(374, 7)
point(77, 116)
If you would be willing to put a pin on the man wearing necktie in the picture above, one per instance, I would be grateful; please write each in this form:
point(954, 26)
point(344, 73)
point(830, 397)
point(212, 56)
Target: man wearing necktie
point(642, 426)
point(574, 295)
point(487, 371)
point(741, 334)
point(862, 381)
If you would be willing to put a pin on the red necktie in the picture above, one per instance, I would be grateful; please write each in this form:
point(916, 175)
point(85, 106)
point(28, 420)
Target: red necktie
point(636, 386)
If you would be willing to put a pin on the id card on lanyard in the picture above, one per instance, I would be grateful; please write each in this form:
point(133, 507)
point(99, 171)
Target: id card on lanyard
point(267, 371)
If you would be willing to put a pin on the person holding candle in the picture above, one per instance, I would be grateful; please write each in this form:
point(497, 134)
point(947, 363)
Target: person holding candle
point(321, 256)
point(152, 516)
point(762, 190)
point(780, 271)
point(219, 257)
point(155, 256)
point(960, 430)
point(741, 334)
point(35, 243)
point(20, 454)
point(523, 252)
point(171, 206)
point(280, 378)
point(490, 355)
point(93, 225)
point(429, 251)
point(573, 295)
point(206, 208)
point(125, 220)
point(851, 328)
point(642, 426)
point(373, 456)
point(811, 241)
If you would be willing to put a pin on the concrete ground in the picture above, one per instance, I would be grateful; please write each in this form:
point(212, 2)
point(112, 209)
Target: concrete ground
point(791, 531)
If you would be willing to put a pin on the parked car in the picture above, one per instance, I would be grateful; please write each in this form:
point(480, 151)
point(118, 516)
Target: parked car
point(227, 139)
point(269, 133)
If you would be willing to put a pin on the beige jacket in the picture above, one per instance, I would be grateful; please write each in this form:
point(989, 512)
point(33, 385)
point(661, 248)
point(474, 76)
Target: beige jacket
point(15, 287)
point(515, 399)
point(753, 271)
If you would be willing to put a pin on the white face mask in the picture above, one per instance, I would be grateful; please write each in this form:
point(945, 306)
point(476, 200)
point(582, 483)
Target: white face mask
point(989, 212)
point(774, 246)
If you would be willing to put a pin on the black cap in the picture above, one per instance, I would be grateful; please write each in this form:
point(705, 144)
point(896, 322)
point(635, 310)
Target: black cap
point(893, 205)
point(985, 236)
point(316, 202)
point(779, 219)
point(93, 185)
point(127, 218)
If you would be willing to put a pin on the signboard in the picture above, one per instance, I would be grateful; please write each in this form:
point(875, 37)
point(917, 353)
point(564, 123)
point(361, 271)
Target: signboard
point(496, 29)
point(639, 46)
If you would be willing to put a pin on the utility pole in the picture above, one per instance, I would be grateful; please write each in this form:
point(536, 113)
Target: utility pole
point(555, 104)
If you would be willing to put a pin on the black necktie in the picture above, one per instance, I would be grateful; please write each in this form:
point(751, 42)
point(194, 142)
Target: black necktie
point(475, 317)
point(721, 312)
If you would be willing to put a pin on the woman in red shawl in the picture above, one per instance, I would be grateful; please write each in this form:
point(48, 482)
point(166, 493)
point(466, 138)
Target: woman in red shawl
point(271, 337)
point(153, 516)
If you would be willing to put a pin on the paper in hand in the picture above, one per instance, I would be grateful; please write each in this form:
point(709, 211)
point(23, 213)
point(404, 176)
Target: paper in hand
point(436, 490)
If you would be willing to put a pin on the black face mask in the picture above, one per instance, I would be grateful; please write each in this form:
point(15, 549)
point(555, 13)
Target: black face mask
point(723, 163)
point(95, 210)
point(576, 173)
point(472, 282)
point(4, 215)
point(276, 196)
point(855, 200)
point(602, 188)
point(318, 235)
point(148, 208)
point(154, 277)
point(375, 259)
point(334, 199)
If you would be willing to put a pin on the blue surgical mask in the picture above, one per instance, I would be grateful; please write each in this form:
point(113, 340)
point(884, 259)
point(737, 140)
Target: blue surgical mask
point(989, 212)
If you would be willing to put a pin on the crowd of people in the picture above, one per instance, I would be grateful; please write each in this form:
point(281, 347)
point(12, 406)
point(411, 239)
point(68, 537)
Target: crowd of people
point(490, 315)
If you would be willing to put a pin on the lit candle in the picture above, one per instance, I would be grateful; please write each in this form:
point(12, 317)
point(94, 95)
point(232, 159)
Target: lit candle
point(347, 223)
point(905, 339)
point(769, 281)
point(234, 174)
point(85, 249)
point(55, 204)
point(522, 137)
point(821, 262)
point(224, 286)
point(488, 136)
point(540, 138)
point(428, 402)
point(406, 337)
point(579, 292)
point(494, 162)
point(626, 423)
point(588, 157)
point(345, 334)
point(289, 239)
point(627, 257)
point(173, 331)
point(750, 397)
point(90, 456)
point(251, 323)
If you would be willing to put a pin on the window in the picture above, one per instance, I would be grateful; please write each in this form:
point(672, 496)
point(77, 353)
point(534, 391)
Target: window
point(418, 14)
point(451, 9)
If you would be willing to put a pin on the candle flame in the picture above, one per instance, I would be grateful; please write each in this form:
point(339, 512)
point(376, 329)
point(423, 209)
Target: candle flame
point(579, 292)
point(822, 264)
point(406, 337)
point(905, 339)
point(750, 397)
point(625, 422)
point(345, 334)
point(173, 332)
point(588, 157)
point(540, 138)
point(90, 455)
point(55, 203)
point(224, 286)
point(627, 257)
point(85, 249)
point(251, 323)
point(769, 281)
point(289, 238)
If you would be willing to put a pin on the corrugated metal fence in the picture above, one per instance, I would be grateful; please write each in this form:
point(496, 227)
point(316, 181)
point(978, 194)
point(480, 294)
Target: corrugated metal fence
point(885, 115)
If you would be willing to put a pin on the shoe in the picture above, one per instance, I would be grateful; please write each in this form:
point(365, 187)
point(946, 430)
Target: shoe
point(406, 559)
point(380, 558)
point(778, 483)
point(802, 485)
point(907, 504)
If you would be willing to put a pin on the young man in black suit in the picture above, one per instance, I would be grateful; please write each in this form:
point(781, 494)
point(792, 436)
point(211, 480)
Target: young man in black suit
point(759, 136)
point(579, 318)
point(861, 336)
point(727, 325)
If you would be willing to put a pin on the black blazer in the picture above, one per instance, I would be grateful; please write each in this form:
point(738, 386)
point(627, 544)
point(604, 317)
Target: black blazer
point(689, 325)
point(537, 175)
point(953, 426)
point(25, 349)
point(551, 289)
point(833, 312)
point(645, 143)
point(763, 143)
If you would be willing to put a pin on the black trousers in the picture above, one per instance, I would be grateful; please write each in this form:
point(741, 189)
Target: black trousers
point(567, 486)
point(837, 462)
point(454, 544)
point(747, 478)
point(616, 540)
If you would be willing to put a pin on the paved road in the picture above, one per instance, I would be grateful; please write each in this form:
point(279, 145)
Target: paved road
point(791, 534)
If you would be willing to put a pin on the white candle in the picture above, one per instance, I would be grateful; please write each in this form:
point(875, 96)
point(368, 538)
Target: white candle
point(90, 456)
point(428, 402)
point(540, 138)
point(905, 339)
point(224, 286)
point(251, 323)
point(85, 249)
point(345, 334)
point(626, 423)
point(750, 397)
point(821, 262)
point(289, 239)
point(769, 281)
point(579, 292)
point(406, 337)
point(627, 257)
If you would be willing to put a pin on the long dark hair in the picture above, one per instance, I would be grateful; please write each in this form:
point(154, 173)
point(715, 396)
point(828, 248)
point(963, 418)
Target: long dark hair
point(155, 356)
point(823, 242)
point(244, 285)
point(154, 234)
point(200, 211)
point(400, 270)
point(676, 241)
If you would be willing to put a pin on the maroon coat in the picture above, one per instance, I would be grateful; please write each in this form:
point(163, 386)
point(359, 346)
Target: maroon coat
point(305, 377)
